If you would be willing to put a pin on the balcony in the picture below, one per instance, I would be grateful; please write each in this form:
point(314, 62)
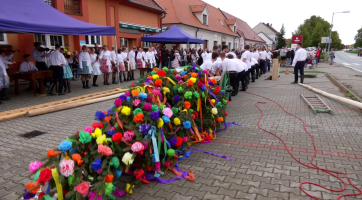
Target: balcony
point(72, 7)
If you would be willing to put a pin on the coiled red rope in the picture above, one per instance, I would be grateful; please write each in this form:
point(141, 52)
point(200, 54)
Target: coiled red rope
point(330, 172)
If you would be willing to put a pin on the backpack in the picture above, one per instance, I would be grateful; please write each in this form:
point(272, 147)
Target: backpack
point(200, 61)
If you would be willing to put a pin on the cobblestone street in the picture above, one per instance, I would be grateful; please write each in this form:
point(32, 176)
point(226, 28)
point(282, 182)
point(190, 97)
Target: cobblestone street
point(262, 168)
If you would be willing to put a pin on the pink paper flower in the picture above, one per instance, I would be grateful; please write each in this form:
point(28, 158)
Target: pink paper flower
point(185, 139)
point(118, 102)
point(88, 129)
point(149, 99)
point(147, 107)
point(104, 150)
point(93, 194)
point(138, 147)
point(178, 77)
point(66, 167)
point(168, 112)
point(136, 102)
point(128, 135)
point(82, 188)
point(128, 93)
point(34, 166)
point(180, 82)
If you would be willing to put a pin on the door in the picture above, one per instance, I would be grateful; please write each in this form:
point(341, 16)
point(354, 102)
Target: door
point(205, 44)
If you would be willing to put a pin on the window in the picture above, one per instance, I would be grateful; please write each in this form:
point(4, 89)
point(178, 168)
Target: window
point(230, 45)
point(72, 7)
point(221, 22)
point(50, 2)
point(147, 44)
point(215, 43)
point(204, 19)
point(3, 38)
point(234, 29)
point(91, 39)
point(49, 40)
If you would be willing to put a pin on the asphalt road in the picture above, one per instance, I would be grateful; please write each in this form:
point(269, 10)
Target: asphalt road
point(349, 60)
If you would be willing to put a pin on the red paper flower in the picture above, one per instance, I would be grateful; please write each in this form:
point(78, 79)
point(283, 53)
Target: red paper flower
point(82, 188)
point(217, 90)
point(179, 142)
point(158, 82)
point(189, 83)
point(139, 174)
point(226, 114)
point(175, 72)
point(95, 125)
point(200, 84)
point(117, 137)
point(41, 194)
point(161, 73)
point(44, 176)
point(109, 178)
point(187, 105)
point(196, 114)
point(208, 138)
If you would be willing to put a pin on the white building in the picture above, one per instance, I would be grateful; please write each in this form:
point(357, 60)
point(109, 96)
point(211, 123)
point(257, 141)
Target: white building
point(268, 29)
point(269, 41)
point(203, 21)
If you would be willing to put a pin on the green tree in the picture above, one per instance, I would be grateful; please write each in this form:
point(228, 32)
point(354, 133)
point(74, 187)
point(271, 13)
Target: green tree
point(281, 39)
point(317, 34)
point(336, 41)
point(358, 38)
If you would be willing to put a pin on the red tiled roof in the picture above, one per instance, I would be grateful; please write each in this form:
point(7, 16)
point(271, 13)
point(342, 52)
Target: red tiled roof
point(197, 8)
point(152, 4)
point(273, 29)
point(178, 12)
point(244, 28)
point(230, 21)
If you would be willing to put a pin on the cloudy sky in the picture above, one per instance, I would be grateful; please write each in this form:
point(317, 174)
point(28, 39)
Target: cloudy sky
point(294, 13)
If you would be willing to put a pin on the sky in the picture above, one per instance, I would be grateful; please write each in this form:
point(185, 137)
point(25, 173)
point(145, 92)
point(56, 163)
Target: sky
point(294, 13)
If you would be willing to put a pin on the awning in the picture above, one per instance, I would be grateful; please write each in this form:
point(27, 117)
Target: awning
point(36, 16)
point(139, 27)
point(174, 35)
point(127, 30)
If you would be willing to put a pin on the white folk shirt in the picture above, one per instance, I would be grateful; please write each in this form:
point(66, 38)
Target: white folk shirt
point(228, 65)
point(247, 56)
point(268, 55)
point(262, 55)
point(27, 67)
point(207, 65)
point(253, 61)
point(84, 56)
point(216, 65)
point(300, 55)
point(150, 57)
point(37, 55)
point(113, 56)
point(256, 56)
point(5, 62)
point(120, 58)
point(132, 56)
point(238, 65)
point(203, 55)
point(243, 64)
point(106, 55)
point(232, 53)
point(56, 58)
point(141, 55)
point(94, 60)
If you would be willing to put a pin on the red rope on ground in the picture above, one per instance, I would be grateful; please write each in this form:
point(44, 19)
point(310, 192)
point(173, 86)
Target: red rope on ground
point(330, 172)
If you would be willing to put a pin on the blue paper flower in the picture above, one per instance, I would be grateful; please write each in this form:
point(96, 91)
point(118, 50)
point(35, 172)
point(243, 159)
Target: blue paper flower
point(128, 98)
point(203, 88)
point(155, 115)
point(176, 98)
point(183, 73)
point(100, 115)
point(142, 96)
point(111, 132)
point(97, 164)
point(165, 119)
point(172, 141)
point(110, 112)
point(144, 128)
point(187, 124)
point(123, 97)
point(28, 195)
point(65, 146)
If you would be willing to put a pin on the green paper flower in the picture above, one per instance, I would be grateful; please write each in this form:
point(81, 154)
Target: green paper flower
point(180, 90)
point(170, 153)
point(154, 108)
point(175, 110)
point(198, 69)
point(203, 94)
point(114, 162)
point(196, 94)
point(165, 69)
point(162, 107)
point(188, 95)
point(175, 88)
point(153, 72)
point(84, 137)
point(137, 110)
point(218, 105)
point(108, 188)
point(36, 176)
point(224, 101)
point(191, 110)
point(71, 179)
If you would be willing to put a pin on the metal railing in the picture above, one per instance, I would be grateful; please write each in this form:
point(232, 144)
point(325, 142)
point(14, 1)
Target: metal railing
point(72, 7)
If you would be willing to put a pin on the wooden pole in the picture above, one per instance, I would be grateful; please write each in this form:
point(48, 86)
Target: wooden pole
point(335, 97)
point(55, 108)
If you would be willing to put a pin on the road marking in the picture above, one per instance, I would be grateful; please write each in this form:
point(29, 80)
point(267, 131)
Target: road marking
point(356, 64)
point(346, 64)
point(353, 68)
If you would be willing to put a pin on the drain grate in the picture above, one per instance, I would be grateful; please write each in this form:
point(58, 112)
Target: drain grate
point(32, 134)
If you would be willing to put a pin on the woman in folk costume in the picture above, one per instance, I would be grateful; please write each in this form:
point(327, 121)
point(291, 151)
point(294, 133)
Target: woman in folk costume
point(67, 71)
point(114, 65)
point(132, 61)
point(126, 63)
point(176, 61)
point(141, 65)
point(150, 60)
point(106, 64)
point(95, 65)
point(85, 67)
point(4, 81)
point(121, 65)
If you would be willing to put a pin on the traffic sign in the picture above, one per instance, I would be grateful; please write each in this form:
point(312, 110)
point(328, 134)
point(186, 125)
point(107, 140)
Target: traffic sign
point(326, 40)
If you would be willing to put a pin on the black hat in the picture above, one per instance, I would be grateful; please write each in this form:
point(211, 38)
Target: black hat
point(26, 55)
point(36, 44)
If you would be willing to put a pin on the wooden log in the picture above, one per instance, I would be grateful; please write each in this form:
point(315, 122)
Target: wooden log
point(41, 111)
point(11, 116)
point(335, 97)
point(275, 73)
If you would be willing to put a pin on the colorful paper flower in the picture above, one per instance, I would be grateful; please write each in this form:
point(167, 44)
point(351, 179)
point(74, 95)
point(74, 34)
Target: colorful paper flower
point(101, 139)
point(176, 98)
point(144, 128)
point(88, 129)
point(135, 93)
point(155, 77)
point(34, 166)
point(136, 102)
point(155, 115)
point(196, 94)
point(180, 90)
point(138, 118)
point(104, 150)
point(31, 185)
point(109, 178)
point(97, 133)
point(188, 95)
point(82, 188)
point(114, 162)
point(51, 153)
point(97, 164)
point(193, 79)
point(226, 114)
point(176, 121)
point(123, 97)
point(187, 124)
point(65, 146)
point(118, 102)
point(66, 167)
point(178, 142)
point(127, 158)
point(111, 132)
point(187, 104)
point(185, 139)
point(147, 107)
point(220, 119)
point(44, 176)
point(128, 135)
point(137, 147)
point(160, 123)
point(100, 115)
point(126, 110)
point(190, 83)
point(172, 141)
point(178, 77)
point(165, 119)
point(175, 110)
point(154, 108)
point(142, 96)
point(214, 111)
point(117, 137)
point(84, 137)
point(77, 158)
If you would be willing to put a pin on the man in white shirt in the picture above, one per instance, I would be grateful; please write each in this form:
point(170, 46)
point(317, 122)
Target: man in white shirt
point(27, 66)
point(207, 65)
point(262, 58)
point(298, 63)
point(246, 57)
point(283, 56)
point(230, 66)
point(216, 66)
point(57, 61)
point(268, 58)
point(232, 52)
point(256, 56)
point(242, 71)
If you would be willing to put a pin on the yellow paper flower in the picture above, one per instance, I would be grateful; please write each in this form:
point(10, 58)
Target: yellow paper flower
point(214, 111)
point(126, 110)
point(176, 121)
point(160, 123)
point(97, 133)
point(127, 159)
point(129, 188)
point(193, 79)
point(119, 108)
point(213, 101)
point(101, 139)
point(155, 76)
point(165, 90)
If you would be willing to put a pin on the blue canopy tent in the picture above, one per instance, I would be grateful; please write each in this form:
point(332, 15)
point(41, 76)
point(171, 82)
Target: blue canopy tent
point(174, 35)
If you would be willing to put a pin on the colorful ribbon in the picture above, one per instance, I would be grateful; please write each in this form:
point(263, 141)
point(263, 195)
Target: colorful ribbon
point(214, 154)
point(229, 124)
point(57, 183)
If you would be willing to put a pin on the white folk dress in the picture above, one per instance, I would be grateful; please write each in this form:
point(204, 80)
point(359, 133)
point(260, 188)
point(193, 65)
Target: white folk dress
point(106, 64)
point(95, 64)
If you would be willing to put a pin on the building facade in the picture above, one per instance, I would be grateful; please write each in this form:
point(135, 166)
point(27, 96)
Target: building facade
point(201, 20)
point(269, 42)
point(268, 29)
point(133, 19)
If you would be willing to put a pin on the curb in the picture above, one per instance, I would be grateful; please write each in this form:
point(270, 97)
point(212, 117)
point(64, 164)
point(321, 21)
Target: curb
point(342, 87)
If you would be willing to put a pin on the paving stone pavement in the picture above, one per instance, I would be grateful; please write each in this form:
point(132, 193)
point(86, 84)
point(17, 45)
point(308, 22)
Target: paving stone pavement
point(261, 169)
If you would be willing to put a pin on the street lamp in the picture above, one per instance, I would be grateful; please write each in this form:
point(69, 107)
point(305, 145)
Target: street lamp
point(330, 33)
